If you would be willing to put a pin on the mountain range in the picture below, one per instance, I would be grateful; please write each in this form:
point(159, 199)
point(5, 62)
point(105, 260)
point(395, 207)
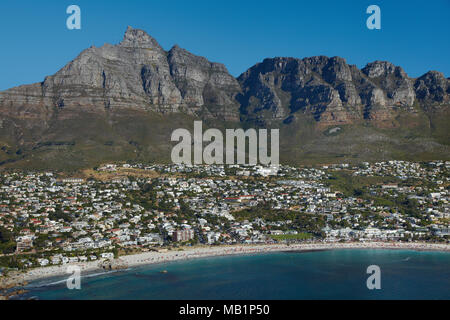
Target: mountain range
point(122, 102)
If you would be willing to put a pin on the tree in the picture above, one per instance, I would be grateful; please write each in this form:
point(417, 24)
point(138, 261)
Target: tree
point(7, 243)
point(116, 253)
point(5, 235)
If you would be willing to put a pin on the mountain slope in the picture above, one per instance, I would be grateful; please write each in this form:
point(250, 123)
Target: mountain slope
point(121, 102)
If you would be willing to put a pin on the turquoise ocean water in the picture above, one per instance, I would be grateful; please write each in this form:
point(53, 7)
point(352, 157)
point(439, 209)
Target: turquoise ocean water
point(330, 274)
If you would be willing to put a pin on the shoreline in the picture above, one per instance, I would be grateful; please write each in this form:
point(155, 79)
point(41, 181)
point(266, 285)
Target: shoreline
point(150, 258)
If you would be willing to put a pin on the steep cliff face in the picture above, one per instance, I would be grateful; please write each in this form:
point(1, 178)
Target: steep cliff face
point(122, 101)
point(333, 91)
point(204, 86)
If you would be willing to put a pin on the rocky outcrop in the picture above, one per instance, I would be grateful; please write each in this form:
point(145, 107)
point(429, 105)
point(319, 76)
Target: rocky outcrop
point(114, 264)
point(12, 285)
point(433, 88)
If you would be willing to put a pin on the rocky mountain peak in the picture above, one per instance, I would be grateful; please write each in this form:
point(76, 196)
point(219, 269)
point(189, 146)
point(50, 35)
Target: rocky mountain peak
point(178, 55)
point(433, 86)
point(137, 38)
point(433, 78)
point(337, 69)
point(378, 68)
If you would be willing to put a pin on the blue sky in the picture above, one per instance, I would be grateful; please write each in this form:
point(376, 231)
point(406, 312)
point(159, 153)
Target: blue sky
point(238, 33)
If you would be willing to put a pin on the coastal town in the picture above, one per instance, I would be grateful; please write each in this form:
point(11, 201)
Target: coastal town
point(49, 219)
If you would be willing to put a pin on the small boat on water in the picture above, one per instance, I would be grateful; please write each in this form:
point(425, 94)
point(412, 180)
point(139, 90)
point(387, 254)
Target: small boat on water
point(163, 271)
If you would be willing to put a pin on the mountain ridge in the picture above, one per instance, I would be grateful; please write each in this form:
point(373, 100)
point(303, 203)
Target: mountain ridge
point(137, 79)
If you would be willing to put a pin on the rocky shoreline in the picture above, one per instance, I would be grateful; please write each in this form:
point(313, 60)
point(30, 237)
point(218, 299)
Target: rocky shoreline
point(12, 285)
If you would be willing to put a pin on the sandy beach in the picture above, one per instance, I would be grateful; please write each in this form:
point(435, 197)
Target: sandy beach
point(152, 257)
